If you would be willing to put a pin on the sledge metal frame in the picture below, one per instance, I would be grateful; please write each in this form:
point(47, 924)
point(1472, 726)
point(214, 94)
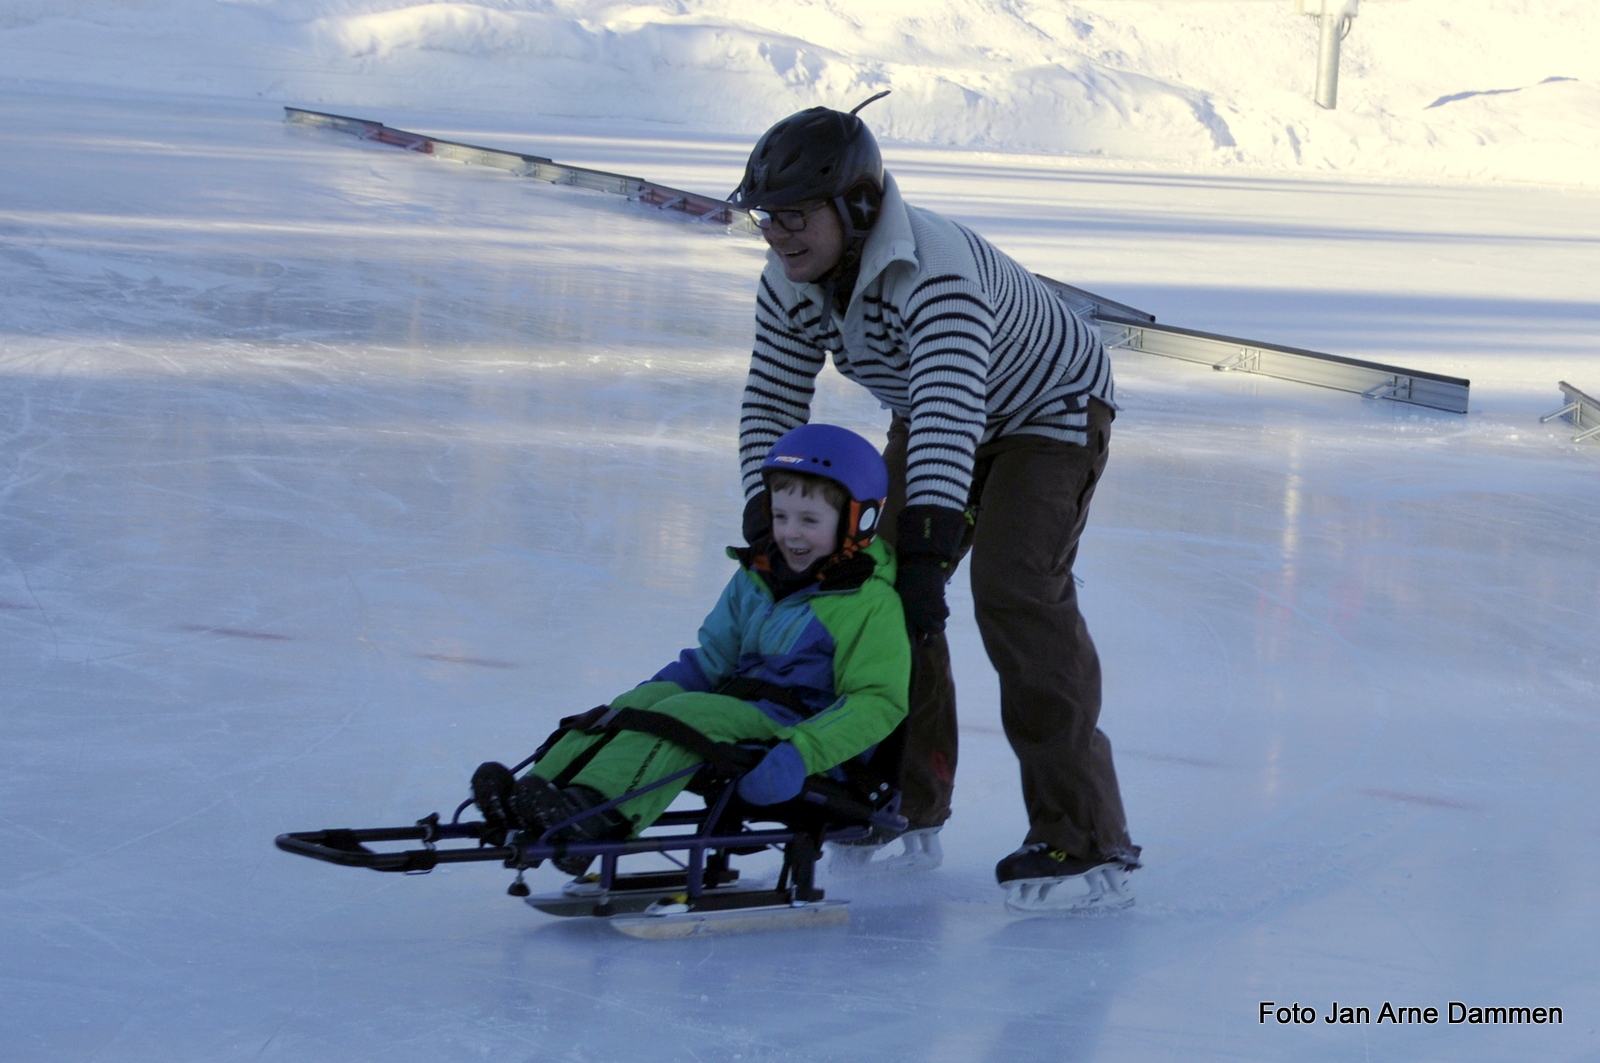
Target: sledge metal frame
point(709, 846)
point(664, 197)
point(1122, 326)
point(1370, 380)
point(1581, 410)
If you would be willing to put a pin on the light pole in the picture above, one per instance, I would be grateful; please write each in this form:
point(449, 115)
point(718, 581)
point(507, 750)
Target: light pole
point(1336, 18)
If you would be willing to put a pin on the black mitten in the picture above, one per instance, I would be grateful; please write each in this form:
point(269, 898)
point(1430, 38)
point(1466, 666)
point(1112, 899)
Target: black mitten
point(929, 541)
point(920, 582)
point(758, 517)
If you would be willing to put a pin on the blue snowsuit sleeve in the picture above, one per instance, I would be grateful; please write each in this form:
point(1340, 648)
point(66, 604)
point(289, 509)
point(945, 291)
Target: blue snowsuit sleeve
point(712, 663)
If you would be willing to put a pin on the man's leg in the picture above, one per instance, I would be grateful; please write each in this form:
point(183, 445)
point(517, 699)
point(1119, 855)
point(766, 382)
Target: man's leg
point(928, 772)
point(1032, 511)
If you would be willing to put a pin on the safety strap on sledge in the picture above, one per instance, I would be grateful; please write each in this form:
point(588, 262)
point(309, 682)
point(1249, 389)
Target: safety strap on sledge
point(725, 758)
point(746, 688)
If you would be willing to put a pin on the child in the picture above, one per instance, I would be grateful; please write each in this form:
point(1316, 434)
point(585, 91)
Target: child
point(806, 651)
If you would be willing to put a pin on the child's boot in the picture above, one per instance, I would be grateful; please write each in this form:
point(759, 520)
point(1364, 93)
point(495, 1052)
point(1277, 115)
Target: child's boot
point(539, 804)
point(492, 786)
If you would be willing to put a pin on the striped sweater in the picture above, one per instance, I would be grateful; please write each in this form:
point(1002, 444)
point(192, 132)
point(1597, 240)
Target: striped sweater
point(946, 331)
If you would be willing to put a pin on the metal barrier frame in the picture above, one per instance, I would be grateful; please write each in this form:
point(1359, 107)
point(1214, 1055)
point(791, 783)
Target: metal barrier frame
point(1121, 326)
point(703, 208)
point(1084, 302)
point(1370, 380)
point(1582, 410)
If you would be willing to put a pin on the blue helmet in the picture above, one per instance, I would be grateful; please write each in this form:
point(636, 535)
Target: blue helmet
point(838, 454)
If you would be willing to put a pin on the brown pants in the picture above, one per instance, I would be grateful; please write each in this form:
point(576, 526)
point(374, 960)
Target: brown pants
point(1030, 496)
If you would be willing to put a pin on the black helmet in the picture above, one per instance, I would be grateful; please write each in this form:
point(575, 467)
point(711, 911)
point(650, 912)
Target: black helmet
point(818, 153)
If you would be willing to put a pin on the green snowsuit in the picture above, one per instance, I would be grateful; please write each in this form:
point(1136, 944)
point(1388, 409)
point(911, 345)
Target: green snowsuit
point(838, 647)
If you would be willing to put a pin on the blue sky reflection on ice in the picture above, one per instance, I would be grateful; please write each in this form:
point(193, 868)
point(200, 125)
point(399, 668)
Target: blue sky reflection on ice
point(330, 471)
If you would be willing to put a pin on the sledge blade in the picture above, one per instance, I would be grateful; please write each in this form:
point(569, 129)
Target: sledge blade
point(733, 920)
point(623, 902)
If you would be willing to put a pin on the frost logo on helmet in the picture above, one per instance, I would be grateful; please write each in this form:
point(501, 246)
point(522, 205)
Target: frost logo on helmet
point(788, 459)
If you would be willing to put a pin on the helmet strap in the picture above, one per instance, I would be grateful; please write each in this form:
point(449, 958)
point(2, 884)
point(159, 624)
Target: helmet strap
point(840, 284)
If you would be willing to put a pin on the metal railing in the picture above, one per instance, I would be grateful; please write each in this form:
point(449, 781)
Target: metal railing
point(1370, 380)
point(1122, 326)
point(1582, 410)
point(537, 167)
point(1087, 303)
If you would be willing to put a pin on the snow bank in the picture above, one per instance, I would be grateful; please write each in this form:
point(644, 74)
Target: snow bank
point(1491, 90)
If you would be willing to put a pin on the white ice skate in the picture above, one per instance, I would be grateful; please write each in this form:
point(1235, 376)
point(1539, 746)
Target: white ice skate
point(920, 851)
point(1038, 880)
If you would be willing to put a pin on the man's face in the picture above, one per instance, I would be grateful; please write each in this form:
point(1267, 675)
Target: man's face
point(805, 527)
point(809, 254)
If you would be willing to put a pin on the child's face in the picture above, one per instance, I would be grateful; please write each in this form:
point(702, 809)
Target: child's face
point(805, 526)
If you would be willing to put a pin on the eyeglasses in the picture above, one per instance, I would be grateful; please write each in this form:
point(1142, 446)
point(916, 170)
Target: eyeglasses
point(792, 220)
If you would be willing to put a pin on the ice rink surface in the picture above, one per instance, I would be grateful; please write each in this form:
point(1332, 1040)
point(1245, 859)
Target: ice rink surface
point(328, 471)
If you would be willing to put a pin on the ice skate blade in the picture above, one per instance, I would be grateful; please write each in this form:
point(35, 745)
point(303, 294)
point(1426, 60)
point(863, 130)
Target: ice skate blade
point(920, 851)
point(1102, 889)
point(732, 921)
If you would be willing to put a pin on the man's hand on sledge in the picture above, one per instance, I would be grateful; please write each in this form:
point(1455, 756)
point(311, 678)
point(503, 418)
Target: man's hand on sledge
point(929, 541)
point(778, 778)
point(758, 517)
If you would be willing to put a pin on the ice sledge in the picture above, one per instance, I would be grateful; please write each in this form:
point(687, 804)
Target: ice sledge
point(703, 894)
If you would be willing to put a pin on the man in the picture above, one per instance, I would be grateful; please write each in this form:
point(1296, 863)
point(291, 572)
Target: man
point(1002, 403)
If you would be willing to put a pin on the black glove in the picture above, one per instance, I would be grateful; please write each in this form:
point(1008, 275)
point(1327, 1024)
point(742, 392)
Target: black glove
point(920, 581)
point(758, 517)
point(930, 539)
